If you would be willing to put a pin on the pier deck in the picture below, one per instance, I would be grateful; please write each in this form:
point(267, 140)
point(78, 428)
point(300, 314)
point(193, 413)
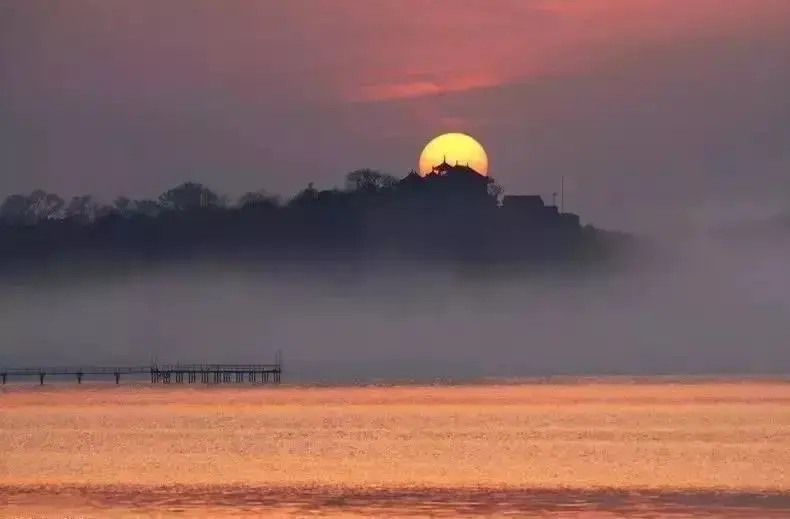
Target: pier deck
point(161, 373)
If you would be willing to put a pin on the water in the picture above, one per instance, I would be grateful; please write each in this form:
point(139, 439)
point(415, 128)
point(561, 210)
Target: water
point(589, 449)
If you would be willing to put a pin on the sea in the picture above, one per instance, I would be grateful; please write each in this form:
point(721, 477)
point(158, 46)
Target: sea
point(567, 448)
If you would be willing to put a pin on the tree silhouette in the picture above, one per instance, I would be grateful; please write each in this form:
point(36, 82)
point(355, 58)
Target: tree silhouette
point(147, 207)
point(189, 196)
point(369, 180)
point(260, 198)
point(495, 190)
point(453, 214)
point(16, 209)
point(123, 205)
point(45, 205)
point(28, 209)
point(84, 208)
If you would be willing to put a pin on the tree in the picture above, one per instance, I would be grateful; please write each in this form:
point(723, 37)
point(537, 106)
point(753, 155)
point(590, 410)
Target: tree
point(122, 204)
point(150, 208)
point(494, 189)
point(257, 199)
point(223, 201)
point(16, 209)
point(45, 205)
point(369, 180)
point(307, 195)
point(38, 205)
point(101, 210)
point(83, 208)
point(188, 197)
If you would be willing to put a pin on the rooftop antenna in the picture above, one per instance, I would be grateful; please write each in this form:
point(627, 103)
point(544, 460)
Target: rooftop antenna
point(562, 193)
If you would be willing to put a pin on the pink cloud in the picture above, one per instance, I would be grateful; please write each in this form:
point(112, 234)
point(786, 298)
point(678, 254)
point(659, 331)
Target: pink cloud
point(470, 45)
point(438, 85)
point(358, 50)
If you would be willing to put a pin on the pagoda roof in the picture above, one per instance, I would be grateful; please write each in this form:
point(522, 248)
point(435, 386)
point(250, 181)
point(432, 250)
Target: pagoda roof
point(447, 169)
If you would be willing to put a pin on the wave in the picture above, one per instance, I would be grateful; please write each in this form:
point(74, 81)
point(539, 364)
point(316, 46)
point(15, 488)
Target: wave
point(449, 501)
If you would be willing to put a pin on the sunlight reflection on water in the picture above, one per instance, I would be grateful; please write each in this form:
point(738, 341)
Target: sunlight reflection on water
point(575, 450)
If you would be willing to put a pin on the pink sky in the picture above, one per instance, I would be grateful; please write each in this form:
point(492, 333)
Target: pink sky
point(133, 97)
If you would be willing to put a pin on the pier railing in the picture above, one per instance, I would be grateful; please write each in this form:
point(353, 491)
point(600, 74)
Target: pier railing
point(161, 373)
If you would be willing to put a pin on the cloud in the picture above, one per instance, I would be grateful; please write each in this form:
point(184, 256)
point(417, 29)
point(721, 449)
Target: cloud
point(429, 87)
point(472, 46)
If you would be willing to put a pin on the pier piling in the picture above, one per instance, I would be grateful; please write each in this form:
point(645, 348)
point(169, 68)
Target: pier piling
point(161, 374)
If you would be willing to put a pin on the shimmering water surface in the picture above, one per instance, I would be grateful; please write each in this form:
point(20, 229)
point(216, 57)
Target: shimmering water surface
point(587, 449)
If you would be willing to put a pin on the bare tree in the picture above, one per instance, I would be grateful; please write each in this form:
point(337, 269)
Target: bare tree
point(38, 205)
point(188, 196)
point(494, 189)
point(45, 205)
point(258, 198)
point(123, 205)
point(83, 208)
point(369, 180)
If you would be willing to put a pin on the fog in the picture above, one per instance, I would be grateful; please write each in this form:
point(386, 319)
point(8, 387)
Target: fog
point(702, 302)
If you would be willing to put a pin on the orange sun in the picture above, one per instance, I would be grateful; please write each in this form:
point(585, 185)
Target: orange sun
point(454, 148)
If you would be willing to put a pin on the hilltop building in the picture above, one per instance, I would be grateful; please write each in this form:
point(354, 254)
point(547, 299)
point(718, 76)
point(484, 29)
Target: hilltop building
point(445, 169)
point(515, 210)
point(459, 178)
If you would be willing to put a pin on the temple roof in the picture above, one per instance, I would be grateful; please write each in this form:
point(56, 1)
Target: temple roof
point(447, 169)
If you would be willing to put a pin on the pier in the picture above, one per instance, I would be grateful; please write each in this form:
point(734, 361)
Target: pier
point(160, 373)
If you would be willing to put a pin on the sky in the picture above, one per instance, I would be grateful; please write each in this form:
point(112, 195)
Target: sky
point(654, 111)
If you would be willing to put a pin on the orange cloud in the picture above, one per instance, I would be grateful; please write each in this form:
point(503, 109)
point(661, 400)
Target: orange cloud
point(325, 50)
point(472, 46)
point(420, 88)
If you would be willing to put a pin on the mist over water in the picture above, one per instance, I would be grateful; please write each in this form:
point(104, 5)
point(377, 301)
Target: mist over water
point(701, 301)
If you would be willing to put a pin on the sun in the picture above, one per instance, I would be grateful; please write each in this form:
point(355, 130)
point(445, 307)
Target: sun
point(454, 148)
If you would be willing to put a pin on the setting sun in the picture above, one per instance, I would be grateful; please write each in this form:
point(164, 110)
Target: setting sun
point(454, 148)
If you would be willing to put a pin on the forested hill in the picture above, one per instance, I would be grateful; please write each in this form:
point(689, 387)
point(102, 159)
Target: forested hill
point(455, 215)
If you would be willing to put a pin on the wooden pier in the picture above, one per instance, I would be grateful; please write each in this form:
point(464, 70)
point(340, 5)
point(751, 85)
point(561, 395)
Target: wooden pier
point(162, 373)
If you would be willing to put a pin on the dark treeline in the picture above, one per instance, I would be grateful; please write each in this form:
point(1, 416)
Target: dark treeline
point(452, 214)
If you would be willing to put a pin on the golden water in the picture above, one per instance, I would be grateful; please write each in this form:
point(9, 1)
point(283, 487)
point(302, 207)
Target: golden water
point(592, 449)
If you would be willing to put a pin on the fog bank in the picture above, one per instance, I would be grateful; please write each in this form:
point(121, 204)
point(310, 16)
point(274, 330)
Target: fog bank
point(706, 303)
